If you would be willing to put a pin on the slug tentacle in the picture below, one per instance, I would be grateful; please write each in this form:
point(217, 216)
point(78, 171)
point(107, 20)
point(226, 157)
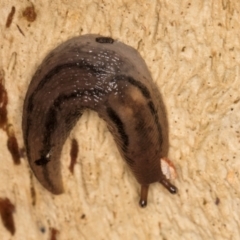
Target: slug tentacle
point(106, 76)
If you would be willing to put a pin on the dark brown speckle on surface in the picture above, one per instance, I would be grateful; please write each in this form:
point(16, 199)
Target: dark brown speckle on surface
point(217, 201)
point(73, 154)
point(32, 191)
point(20, 30)
point(3, 102)
point(10, 17)
point(53, 233)
point(6, 211)
point(12, 145)
point(30, 14)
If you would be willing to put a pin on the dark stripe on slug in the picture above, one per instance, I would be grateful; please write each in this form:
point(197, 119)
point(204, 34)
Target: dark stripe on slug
point(47, 78)
point(104, 40)
point(152, 108)
point(140, 86)
point(79, 65)
point(119, 124)
point(129, 160)
point(78, 94)
point(51, 121)
point(42, 161)
point(29, 121)
point(72, 117)
point(155, 116)
point(45, 155)
point(50, 126)
point(135, 83)
point(30, 103)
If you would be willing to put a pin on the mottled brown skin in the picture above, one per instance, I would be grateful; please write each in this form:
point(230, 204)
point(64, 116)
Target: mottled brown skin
point(110, 78)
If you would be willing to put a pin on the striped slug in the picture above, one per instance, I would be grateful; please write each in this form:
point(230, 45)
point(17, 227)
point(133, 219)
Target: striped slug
point(111, 78)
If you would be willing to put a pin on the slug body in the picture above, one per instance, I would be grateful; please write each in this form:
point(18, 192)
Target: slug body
point(106, 76)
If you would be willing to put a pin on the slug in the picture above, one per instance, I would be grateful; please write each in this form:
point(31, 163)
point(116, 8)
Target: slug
point(110, 78)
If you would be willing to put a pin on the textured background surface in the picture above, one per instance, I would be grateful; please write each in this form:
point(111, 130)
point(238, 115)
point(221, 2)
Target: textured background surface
point(193, 52)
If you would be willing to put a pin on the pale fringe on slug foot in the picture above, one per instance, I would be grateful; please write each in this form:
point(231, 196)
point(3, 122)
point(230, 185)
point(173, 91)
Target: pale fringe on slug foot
point(168, 169)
